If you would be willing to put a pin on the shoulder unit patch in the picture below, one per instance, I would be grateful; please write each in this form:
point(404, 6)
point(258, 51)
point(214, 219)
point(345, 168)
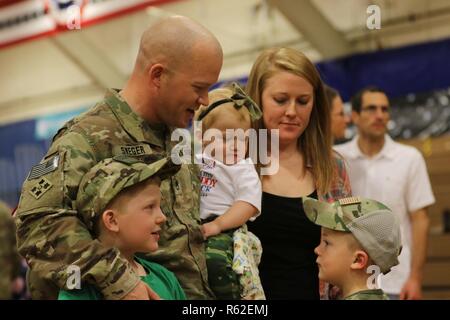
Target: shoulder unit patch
point(40, 188)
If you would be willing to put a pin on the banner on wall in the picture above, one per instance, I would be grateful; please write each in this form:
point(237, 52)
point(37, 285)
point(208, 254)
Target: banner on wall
point(22, 20)
point(22, 145)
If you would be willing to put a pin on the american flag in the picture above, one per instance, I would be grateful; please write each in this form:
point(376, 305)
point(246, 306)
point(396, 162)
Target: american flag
point(44, 168)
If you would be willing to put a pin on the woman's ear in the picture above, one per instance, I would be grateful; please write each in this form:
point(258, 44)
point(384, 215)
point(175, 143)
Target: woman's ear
point(110, 222)
point(360, 260)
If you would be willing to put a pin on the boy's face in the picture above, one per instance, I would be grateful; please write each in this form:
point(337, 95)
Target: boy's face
point(140, 219)
point(334, 256)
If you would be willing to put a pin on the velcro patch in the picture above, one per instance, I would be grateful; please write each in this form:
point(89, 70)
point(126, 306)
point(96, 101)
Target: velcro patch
point(44, 168)
point(40, 188)
point(133, 150)
point(349, 201)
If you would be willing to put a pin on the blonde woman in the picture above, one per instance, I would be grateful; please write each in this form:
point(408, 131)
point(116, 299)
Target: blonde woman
point(288, 88)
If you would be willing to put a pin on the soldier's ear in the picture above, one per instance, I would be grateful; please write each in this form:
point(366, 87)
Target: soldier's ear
point(360, 260)
point(155, 74)
point(109, 219)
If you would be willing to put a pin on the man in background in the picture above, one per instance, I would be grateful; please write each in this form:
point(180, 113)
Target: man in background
point(396, 175)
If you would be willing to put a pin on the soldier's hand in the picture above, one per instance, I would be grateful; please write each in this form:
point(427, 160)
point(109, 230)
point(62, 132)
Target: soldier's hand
point(142, 292)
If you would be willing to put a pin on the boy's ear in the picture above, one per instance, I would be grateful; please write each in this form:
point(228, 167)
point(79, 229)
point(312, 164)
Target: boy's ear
point(109, 219)
point(360, 260)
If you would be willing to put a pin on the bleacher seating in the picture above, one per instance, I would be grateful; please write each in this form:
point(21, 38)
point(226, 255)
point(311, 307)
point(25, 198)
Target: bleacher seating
point(437, 269)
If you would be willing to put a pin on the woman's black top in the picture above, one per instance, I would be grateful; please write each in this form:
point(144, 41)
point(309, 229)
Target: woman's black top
point(288, 268)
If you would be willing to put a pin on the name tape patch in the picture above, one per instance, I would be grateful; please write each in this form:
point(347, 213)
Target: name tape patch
point(133, 151)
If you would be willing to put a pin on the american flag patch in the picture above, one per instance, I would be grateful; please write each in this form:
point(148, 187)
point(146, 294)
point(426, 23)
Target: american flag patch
point(44, 168)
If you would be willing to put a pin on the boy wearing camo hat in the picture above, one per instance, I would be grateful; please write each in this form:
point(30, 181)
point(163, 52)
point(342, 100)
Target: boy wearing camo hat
point(359, 237)
point(119, 200)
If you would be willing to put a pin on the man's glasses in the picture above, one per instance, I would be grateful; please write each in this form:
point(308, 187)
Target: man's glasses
point(373, 109)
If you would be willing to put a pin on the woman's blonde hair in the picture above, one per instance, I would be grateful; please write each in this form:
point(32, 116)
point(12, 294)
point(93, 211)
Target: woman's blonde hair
point(315, 142)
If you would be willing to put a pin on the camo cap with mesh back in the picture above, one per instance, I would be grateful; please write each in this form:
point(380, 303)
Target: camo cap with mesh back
point(372, 223)
point(110, 176)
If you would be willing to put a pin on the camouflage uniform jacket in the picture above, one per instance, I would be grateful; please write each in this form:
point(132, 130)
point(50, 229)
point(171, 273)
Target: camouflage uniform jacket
point(375, 294)
point(9, 258)
point(51, 234)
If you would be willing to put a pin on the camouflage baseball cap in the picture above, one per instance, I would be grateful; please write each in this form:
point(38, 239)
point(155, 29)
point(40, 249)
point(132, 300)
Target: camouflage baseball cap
point(110, 176)
point(372, 223)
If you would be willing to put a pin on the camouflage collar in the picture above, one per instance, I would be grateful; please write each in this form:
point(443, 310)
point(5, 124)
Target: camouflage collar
point(369, 294)
point(136, 127)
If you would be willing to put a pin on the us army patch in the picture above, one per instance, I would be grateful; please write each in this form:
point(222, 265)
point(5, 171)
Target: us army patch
point(44, 168)
point(40, 188)
point(133, 151)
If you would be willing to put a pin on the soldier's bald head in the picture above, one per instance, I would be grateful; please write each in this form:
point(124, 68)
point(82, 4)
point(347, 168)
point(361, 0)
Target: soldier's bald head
point(174, 40)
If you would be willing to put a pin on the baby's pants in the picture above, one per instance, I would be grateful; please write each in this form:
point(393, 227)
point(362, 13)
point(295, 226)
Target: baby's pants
point(219, 259)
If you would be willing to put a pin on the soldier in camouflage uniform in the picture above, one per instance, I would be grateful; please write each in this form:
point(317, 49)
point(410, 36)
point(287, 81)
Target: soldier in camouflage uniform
point(177, 62)
point(9, 258)
point(359, 236)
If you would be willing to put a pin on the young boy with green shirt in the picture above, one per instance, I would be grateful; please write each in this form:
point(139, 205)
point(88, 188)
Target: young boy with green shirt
point(360, 239)
point(119, 200)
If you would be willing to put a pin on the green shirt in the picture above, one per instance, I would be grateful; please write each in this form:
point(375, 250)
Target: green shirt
point(161, 280)
point(374, 294)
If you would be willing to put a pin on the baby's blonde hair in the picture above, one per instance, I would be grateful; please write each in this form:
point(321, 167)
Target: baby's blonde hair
point(227, 109)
